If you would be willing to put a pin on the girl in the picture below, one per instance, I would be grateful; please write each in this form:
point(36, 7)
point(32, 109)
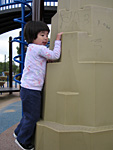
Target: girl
point(36, 34)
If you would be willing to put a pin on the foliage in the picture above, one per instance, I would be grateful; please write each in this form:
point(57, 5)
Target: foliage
point(5, 67)
point(18, 50)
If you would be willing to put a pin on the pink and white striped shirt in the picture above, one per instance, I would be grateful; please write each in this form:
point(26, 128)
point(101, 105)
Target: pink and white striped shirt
point(35, 64)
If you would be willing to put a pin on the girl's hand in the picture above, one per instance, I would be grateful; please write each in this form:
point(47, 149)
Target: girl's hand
point(59, 35)
point(50, 61)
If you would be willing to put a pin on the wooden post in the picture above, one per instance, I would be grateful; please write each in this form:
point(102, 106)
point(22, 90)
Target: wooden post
point(37, 10)
point(38, 15)
point(10, 63)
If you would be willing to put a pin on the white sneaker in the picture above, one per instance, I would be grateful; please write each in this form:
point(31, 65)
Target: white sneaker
point(15, 136)
point(24, 147)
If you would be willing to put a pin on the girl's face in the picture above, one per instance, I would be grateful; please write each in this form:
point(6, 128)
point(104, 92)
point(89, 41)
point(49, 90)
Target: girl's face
point(42, 38)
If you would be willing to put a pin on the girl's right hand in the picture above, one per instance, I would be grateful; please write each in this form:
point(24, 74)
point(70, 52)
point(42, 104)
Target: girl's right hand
point(59, 35)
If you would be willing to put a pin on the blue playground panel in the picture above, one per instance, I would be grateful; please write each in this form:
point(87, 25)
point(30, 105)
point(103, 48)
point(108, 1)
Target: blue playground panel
point(11, 1)
point(10, 115)
point(50, 0)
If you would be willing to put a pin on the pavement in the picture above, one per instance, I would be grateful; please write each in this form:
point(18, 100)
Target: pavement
point(10, 115)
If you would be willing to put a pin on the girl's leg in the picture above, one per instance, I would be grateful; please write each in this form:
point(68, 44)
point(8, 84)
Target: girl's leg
point(31, 101)
point(16, 131)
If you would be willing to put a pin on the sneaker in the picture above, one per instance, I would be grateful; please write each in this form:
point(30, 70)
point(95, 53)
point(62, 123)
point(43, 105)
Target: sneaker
point(24, 147)
point(15, 135)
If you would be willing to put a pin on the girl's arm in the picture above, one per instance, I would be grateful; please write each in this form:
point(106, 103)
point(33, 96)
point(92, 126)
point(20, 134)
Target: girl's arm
point(49, 54)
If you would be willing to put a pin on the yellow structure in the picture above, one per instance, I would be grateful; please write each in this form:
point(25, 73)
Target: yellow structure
point(78, 98)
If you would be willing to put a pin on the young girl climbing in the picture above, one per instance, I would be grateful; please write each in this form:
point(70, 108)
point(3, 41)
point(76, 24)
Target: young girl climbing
point(36, 35)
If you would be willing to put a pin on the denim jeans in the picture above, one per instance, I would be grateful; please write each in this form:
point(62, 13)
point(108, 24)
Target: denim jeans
point(31, 103)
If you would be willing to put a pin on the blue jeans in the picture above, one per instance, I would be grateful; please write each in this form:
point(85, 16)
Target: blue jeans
point(31, 103)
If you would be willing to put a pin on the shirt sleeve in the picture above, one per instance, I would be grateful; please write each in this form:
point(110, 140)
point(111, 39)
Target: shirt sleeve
point(51, 54)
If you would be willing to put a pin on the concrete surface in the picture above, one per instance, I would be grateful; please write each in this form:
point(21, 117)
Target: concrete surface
point(10, 114)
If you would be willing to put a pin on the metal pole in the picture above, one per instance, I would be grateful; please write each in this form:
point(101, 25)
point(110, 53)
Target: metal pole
point(10, 63)
point(4, 62)
point(22, 37)
point(37, 15)
point(37, 10)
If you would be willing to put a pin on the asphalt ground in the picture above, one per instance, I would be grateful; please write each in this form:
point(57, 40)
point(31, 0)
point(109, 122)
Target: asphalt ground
point(10, 115)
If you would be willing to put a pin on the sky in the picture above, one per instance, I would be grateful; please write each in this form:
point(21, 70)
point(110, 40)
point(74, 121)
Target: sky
point(4, 44)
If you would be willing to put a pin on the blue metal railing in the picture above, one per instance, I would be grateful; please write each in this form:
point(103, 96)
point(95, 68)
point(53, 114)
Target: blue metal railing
point(50, 2)
point(20, 39)
point(9, 4)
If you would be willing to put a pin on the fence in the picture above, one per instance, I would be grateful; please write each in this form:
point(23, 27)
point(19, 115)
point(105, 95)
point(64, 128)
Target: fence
point(9, 4)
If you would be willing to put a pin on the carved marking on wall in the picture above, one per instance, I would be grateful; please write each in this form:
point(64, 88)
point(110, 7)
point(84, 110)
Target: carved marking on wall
point(71, 20)
point(104, 24)
point(97, 42)
point(86, 18)
point(66, 16)
point(76, 17)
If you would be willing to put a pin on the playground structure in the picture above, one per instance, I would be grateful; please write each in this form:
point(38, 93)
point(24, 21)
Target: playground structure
point(78, 95)
point(77, 104)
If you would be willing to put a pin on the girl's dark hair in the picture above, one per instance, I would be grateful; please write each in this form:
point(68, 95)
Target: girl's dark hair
point(32, 28)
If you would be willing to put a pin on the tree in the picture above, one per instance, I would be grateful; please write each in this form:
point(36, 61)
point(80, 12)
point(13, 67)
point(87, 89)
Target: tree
point(15, 68)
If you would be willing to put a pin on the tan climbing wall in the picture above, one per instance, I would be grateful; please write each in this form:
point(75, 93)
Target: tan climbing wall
point(78, 112)
point(78, 4)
